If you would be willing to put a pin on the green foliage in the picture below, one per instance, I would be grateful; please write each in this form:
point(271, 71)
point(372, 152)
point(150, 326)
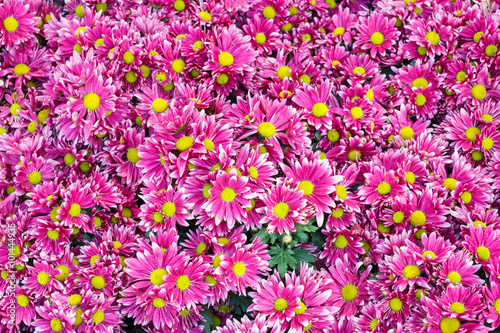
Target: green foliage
point(240, 303)
point(285, 258)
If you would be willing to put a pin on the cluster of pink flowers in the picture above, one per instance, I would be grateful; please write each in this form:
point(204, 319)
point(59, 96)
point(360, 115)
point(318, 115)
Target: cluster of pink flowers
point(239, 166)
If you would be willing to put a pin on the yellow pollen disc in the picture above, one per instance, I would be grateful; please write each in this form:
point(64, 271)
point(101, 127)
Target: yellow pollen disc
point(377, 38)
point(432, 37)
point(483, 253)
point(101, 6)
point(420, 83)
point(211, 279)
point(157, 275)
point(228, 194)
point(420, 100)
point(497, 305)
point(478, 91)
point(201, 248)
point(21, 69)
point(184, 143)
point(411, 272)
point(94, 258)
point(477, 155)
point(266, 129)
point(269, 12)
point(349, 292)
point(10, 24)
point(223, 240)
point(466, 197)
point(396, 304)
point(75, 210)
point(85, 166)
point(450, 183)
point(43, 278)
point(183, 282)
point(169, 208)
point(398, 217)
point(281, 210)
point(206, 194)
point(74, 299)
point(78, 317)
point(260, 38)
point(306, 37)
point(304, 78)
point(254, 173)
point(487, 143)
point(222, 79)
point(340, 242)
point(178, 65)
point(490, 50)
point(205, 16)
point(454, 277)
point(198, 45)
point(179, 5)
point(56, 325)
point(383, 188)
point(422, 50)
point(407, 132)
point(356, 112)
point(283, 71)
point(226, 59)
point(370, 95)
point(69, 159)
point(133, 155)
point(159, 105)
point(301, 308)
point(319, 110)
point(427, 254)
point(98, 282)
point(479, 224)
point(410, 177)
point(373, 324)
point(359, 70)
point(35, 177)
point(64, 273)
point(98, 316)
point(280, 304)
point(335, 63)
point(159, 303)
point(44, 115)
point(472, 132)
point(23, 300)
point(338, 31)
point(239, 268)
point(128, 57)
point(209, 144)
point(306, 186)
point(341, 191)
point(457, 307)
point(449, 325)
point(338, 213)
point(79, 11)
point(478, 36)
point(353, 154)
point(185, 312)
point(417, 218)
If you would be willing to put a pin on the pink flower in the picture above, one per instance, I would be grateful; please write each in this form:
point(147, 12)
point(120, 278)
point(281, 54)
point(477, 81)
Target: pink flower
point(18, 24)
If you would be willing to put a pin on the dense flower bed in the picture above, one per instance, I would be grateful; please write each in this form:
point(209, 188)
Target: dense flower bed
point(249, 166)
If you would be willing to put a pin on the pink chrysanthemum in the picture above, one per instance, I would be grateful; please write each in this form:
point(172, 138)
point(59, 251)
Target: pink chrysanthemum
point(18, 23)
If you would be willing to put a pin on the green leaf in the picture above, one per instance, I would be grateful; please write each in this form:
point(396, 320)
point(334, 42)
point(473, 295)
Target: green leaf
point(282, 258)
point(240, 303)
point(266, 237)
point(208, 320)
point(303, 255)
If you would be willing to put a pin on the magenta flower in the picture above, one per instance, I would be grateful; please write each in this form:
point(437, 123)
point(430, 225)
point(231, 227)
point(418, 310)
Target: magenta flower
point(377, 35)
point(18, 24)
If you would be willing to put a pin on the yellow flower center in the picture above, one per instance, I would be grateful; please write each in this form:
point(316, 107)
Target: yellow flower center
point(478, 91)
point(349, 292)
point(74, 299)
point(254, 173)
point(454, 277)
point(178, 65)
point(260, 38)
point(426, 254)
point(266, 129)
point(319, 110)
point(396, 304)
point(420, 100)
point(377, 38)
point(160, 105)
point(478, 35)
point(333, 135)
point(411, 272)
point(337, 213)
point(156, 277)
point(239, 268)
point(75, 210)
point(341, 191)
point(306, 186)
point(98, 316)
point(14, 108)
point(303, 78)
point(228, 194)
point(128, 57)
point(56, 325)
point(497, 305)
point(487, 143)
point(407, 132)
point(21, 69)
point(69, 159)
point(91, 101)
point(477, 155)
point(353, 154)
point(23, 300)
point(338, 31)
point(410, 177)
point(301, 309)
point(383, 188)
point(179, 5)
point(359, 70)
point(280, 304)
point(205, 16)
point(490, 50)
point(64, 273)
point(450, 183)
point(433, 37)
point(226, 59)
point(184, 143)
point(211, 279)
point(283, 71)
point(417, 218)
point(422, 50)
point(483, 253)
point(340, 242)
point(420, 83)
point(35, 177)
point(457, 307)
point(269, 12)
point(398, 217)
point(133, 156)
point(169, 208)
point(449, 325)
point(98, 282)
point(373, 324)
point(159, 303)
point(356, 112)
point(471, 133)
point(281, 210)
point(183, 282)
point(10, 24)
